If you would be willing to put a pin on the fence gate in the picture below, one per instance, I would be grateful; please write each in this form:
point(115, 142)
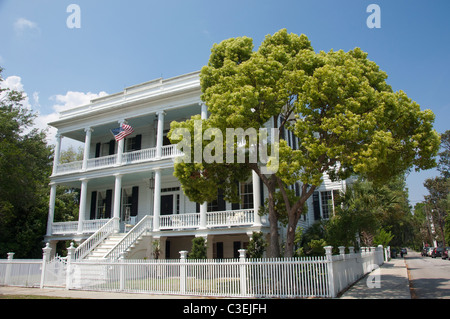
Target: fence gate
point(55, 272)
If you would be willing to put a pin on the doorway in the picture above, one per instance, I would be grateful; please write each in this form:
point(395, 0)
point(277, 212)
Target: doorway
point(167, 204)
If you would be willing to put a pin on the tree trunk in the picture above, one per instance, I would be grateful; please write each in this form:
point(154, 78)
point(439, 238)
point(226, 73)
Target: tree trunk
point(290, 237)
point(274, 247)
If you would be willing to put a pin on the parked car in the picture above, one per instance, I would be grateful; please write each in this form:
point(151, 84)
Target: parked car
point(393, 252)
point(445, 253)
point(425, 251)
point(404, 251)
point(437, 252)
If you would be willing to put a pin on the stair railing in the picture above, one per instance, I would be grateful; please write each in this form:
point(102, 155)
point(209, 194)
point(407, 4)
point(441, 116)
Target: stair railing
point(130, 238)
point(89, 244)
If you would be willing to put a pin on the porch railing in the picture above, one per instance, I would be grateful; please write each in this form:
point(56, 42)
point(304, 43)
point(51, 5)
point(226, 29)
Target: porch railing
point(230, 218)
point(148, 154)
point(87, 246)
point(242, 217)
point(144, 225)
point(179, 221)
point(102, 161)
point(89, 226)
point(139, 156)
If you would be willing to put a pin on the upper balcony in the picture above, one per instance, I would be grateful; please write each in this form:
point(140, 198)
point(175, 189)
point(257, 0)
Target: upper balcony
point(140, 156)
point(148, 107)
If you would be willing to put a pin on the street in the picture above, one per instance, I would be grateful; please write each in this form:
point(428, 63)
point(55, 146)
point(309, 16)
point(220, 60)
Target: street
point(429, 277)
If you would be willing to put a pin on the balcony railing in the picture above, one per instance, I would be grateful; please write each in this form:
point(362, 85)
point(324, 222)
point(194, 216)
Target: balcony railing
point(243, 217)
point(148, 154)
point(89, 226)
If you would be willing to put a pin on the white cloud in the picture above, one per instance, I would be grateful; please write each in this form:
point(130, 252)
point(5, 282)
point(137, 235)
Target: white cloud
point(73, 99)
point(65, 102)
point(23, 25)
point(62, 102)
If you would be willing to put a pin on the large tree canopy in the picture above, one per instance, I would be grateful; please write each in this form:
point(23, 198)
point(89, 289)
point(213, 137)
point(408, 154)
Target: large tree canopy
point(25, 165)
point(346, 117)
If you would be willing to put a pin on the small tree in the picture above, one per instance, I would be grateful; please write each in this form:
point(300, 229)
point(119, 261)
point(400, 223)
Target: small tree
point(198, 250)
point(257, 245)
point(156, 249)
point(383, 238)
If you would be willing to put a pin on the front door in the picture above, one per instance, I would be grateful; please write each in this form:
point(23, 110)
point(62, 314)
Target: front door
point(166, 205)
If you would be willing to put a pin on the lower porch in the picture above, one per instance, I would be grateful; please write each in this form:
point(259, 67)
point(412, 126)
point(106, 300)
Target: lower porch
point(220, 219)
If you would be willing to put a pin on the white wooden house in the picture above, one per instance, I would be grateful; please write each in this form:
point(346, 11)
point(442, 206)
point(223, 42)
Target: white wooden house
point(132, 182)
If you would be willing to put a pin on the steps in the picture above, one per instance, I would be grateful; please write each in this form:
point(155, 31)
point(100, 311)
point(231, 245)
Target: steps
point(105, 246)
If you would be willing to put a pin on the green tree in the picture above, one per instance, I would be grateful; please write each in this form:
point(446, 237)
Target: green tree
point(383, 238)
point(198, 250)
point(346, 117)
point(444, 155)
point(438, 204)
point(257, 245)
point(25, 164)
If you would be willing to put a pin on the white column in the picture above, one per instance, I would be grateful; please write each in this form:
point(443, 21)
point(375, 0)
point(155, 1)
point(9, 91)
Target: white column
point(51, 209)
point(87, 146)
point(160, 133)
point(157, 200)
point(57, 153)
point(204, 112)
point(256, 198)
point(82, 210)
point(203, 210)
point(120, 146)
point(204, 206)
point(117, 193)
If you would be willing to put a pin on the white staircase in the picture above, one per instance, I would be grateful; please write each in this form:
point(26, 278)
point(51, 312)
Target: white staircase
point(105, 246)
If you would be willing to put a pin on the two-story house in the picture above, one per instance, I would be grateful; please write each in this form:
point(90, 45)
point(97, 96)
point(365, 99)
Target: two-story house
point(129, 198)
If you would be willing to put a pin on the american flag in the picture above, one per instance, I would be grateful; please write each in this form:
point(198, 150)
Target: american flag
point(120, 132)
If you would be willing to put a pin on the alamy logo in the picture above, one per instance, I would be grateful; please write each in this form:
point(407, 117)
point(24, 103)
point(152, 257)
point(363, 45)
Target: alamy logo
point(74, 19)
point(373, 20)
point(241, 146)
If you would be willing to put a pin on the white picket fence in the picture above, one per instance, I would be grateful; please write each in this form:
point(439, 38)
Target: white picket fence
point(266, 277)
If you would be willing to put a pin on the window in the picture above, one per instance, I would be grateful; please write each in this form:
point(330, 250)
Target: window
point(133, 143)
point(327, 204)
point(246, 193)
point(324, 203)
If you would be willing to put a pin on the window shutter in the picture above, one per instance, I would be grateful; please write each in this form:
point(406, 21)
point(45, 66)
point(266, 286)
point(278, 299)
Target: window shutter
point(220, 201)
point(112, 147)
point(93, 204)
point(108, 203)
point(97, 149)
point(316, 206)
point(138, 142)
point(134, 200)
point(235, 206)
point(261, 191)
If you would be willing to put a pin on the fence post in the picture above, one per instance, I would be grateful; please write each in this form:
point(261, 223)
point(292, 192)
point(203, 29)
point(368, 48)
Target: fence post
point(380, 256)
point(121, 271)
point(70, 254)
point(243, 271)
point(45, 259)
point(329, 255)
point(183, 255)
point(8, 267)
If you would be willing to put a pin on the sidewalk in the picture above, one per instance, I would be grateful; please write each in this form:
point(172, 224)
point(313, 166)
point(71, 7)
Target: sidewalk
point(393, 283)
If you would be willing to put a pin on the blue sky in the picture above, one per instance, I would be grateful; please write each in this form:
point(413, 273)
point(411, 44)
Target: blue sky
point(122, 43)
